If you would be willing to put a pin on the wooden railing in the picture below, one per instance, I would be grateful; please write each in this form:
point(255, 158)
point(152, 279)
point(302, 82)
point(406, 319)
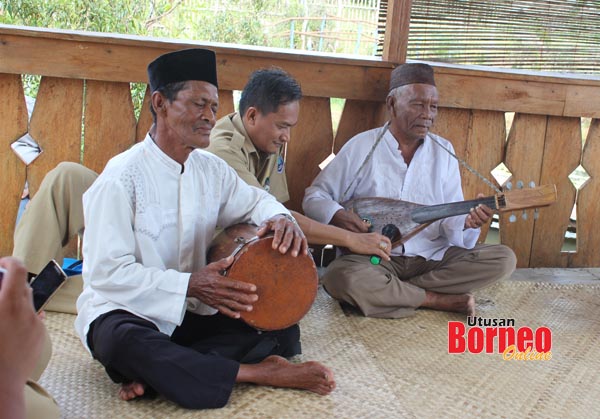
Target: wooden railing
point(84, 95)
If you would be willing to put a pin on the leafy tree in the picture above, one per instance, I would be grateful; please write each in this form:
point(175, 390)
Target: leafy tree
point(121, 16)
point(250, 22)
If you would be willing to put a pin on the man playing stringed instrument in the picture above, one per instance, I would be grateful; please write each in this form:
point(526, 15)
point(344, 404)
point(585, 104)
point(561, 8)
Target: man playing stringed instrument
point(439, 266)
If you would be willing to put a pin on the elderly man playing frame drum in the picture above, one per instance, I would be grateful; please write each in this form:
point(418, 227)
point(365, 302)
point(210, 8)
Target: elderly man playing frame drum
point(441, 265)
point(152, 311)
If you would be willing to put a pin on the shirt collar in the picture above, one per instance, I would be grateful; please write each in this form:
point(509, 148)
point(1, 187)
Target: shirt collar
point(393, 143)
point(248, 146)
point(240, 139)
point(161, 156)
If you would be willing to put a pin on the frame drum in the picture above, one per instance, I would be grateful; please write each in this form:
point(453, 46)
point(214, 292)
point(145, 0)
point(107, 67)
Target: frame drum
point(286, 285)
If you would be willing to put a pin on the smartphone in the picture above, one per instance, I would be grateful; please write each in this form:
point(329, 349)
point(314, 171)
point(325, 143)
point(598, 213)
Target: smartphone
point(46, 283)
point(2, 271)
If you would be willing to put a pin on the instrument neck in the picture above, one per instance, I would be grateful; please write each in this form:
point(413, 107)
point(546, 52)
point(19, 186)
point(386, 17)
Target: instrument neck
point(429, 213)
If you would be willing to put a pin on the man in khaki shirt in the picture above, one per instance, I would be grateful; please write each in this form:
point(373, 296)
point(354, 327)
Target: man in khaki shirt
point(252, 141)
point(231, 142)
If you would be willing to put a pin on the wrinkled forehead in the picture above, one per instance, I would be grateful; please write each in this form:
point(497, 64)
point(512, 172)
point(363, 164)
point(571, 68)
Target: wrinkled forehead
point(197, 88)
point(418, 91)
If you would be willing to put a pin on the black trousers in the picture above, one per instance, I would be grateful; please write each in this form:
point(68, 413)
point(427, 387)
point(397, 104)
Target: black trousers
point(197, 366)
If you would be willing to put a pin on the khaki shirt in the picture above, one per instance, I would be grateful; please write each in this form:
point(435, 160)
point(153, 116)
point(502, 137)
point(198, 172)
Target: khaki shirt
point(229, 141)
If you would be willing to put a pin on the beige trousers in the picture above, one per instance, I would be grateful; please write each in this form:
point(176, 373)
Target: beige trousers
point(52, 217)
point(396, 288)
point(38, 403)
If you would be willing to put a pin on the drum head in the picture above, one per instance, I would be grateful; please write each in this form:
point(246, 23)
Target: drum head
point(286, 285)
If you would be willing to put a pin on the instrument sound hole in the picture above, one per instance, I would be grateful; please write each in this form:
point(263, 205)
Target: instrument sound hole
point(391, 232)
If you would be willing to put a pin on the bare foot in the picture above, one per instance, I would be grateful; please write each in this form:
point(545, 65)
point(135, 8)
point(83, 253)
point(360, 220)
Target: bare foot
point(459, 303)
point(131, 390)
point(279, 372)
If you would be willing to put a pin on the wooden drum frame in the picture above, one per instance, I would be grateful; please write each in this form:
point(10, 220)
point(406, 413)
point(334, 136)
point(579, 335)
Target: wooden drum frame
point(286, 285)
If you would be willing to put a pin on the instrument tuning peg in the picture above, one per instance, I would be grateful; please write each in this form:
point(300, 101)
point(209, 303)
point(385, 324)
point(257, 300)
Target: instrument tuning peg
point(524, 215)
point(512, 218)
point(508, 186)
point(536, 214)
point(532, 184)
point(520, 184)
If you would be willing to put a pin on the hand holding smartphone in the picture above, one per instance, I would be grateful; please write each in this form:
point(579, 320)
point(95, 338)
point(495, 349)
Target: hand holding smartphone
point(46, 283)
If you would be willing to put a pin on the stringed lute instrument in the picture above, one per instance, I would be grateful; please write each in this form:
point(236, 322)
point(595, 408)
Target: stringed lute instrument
point(411, 218)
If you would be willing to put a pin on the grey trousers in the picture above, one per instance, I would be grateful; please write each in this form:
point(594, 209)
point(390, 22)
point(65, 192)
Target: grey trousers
point(396, 288)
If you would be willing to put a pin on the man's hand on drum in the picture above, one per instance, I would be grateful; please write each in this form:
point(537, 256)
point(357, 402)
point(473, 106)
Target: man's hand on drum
point(350, 221)
point(229, 296)
point(287, 235)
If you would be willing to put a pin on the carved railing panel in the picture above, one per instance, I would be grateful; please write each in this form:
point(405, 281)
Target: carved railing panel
point(544, 143)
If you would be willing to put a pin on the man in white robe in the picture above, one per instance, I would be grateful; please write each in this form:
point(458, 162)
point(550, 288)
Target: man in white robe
point(440, 266)
point(152, 311)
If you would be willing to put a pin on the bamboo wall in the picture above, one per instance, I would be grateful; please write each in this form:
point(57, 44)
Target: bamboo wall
point(85, 92)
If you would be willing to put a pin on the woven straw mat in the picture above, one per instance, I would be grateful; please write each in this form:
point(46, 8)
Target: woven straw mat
point(388, 368)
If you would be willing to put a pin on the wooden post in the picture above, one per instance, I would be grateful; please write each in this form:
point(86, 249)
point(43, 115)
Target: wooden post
point(397, 26)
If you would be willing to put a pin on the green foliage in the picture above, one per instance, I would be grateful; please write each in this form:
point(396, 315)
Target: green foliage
point(273, 23)
point(220, 26)
point(250, 22)
point(31, 84)
point(138, 90)
point(122, 16)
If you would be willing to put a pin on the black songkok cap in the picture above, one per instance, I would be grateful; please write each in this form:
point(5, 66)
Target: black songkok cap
point(411, 73)
point(184, 65)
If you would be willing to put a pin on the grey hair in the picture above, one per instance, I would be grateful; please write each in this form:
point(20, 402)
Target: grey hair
point(397, 92)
